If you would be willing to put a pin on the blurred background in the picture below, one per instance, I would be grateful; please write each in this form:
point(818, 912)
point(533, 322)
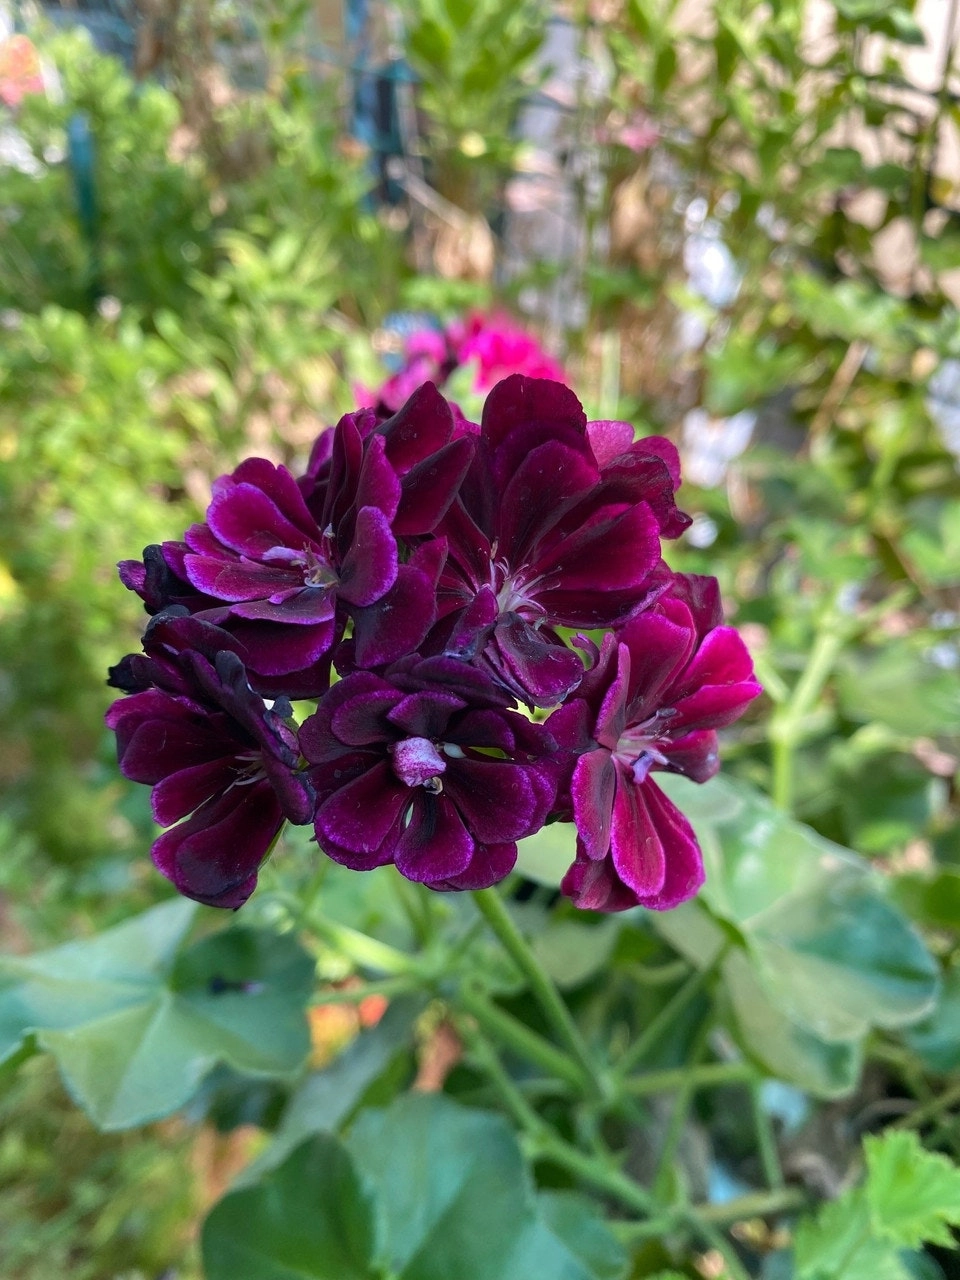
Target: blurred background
point(225, 223)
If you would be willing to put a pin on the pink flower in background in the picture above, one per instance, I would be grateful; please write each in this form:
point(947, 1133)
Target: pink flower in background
point(496, 343)
point(20, 72)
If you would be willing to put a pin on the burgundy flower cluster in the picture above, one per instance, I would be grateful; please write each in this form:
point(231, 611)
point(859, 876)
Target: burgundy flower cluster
point(432, 585)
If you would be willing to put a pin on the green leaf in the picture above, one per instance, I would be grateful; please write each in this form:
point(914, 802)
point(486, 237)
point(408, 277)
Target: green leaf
point(572, 951)
point(820, 955)
point(913, 1194)
point(442, 1175)
point(441, 1189)
point(311, 1219)
point(839, 1244)
point(135, 1029)
point(829, 947)
point(937, 1038)
point(545, 856)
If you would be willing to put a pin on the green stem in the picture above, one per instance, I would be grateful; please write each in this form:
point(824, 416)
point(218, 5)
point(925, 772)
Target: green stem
point(389, 987)
point(556, 1012)
point(760, 1204)
point(363, 950)
point(786, 723)
point(667, 1016)
point(543, 1144)
point(596, 1173)
point(766, 1139)
point(705, 1077)
point(929, 1110)
point(526, 1043)
point(527, 1119)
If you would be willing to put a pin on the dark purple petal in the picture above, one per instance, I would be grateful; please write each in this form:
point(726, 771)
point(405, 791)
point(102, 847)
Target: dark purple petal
point(396, 624)
point(430, 487)
point(180, 793)
point(245, 520)
point(636, 848)
point(684, 862)
point(363, 719)
point(214, 856)
point(369, 568)
point(420, 428)
point(592, 790)
point(496, 798)
point(360, 814)
point(593, 886)
point(489, 864)
point(434, 844)
point(533, 664)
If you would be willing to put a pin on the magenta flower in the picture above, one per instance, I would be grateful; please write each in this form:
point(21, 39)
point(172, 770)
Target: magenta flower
point(223, 766)
point(546, 533)
point(661, 687)
point(425, 767)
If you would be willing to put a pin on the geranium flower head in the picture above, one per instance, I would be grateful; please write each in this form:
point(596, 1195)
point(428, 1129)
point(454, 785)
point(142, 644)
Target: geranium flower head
point(662, 685)
point(223, 766)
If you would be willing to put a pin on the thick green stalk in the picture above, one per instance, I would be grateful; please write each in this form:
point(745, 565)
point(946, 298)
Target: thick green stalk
point(545, 993)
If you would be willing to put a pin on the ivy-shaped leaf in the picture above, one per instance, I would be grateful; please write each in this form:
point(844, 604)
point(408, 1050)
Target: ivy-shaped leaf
point(135, 1026)
point(424, 1190)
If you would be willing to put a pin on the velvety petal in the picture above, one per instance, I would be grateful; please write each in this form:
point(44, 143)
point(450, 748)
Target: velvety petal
point(398, 622)
point(180, 793)
point(517, 401)
point(539, 671)
point(299, 606)
point(496, 799)
point(430, 487)
point(360, 814)
point(611, 548)
point(489, 864)
point(684, 861)
point(537, 495)
point(695, 755)
point(363, 719)
point(228, 578)
point(593, 886)
point(281, 488)
point(244, 519)
point(425, 714)
point(272, 649)
point(660, 648)
point(421, 427)
point(636, 847)
point(608, 439)
point(293, 789)
point(369, 568)
point(592, 790)
point(214, 856)
point(318, 742)
point(434, 843)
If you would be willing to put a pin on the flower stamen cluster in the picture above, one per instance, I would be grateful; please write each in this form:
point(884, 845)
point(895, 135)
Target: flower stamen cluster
point(419, 582)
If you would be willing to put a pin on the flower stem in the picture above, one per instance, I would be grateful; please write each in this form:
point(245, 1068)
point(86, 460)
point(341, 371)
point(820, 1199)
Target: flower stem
point(363, 950)
point(710, 1074)
point(651, 1034)
point(556, 1012)
point(515, 1035)
point(786, 723)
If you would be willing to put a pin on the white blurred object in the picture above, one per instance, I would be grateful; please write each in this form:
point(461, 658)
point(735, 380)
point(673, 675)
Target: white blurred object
point(943, 404)
point(711, 270)
point(710, 444)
